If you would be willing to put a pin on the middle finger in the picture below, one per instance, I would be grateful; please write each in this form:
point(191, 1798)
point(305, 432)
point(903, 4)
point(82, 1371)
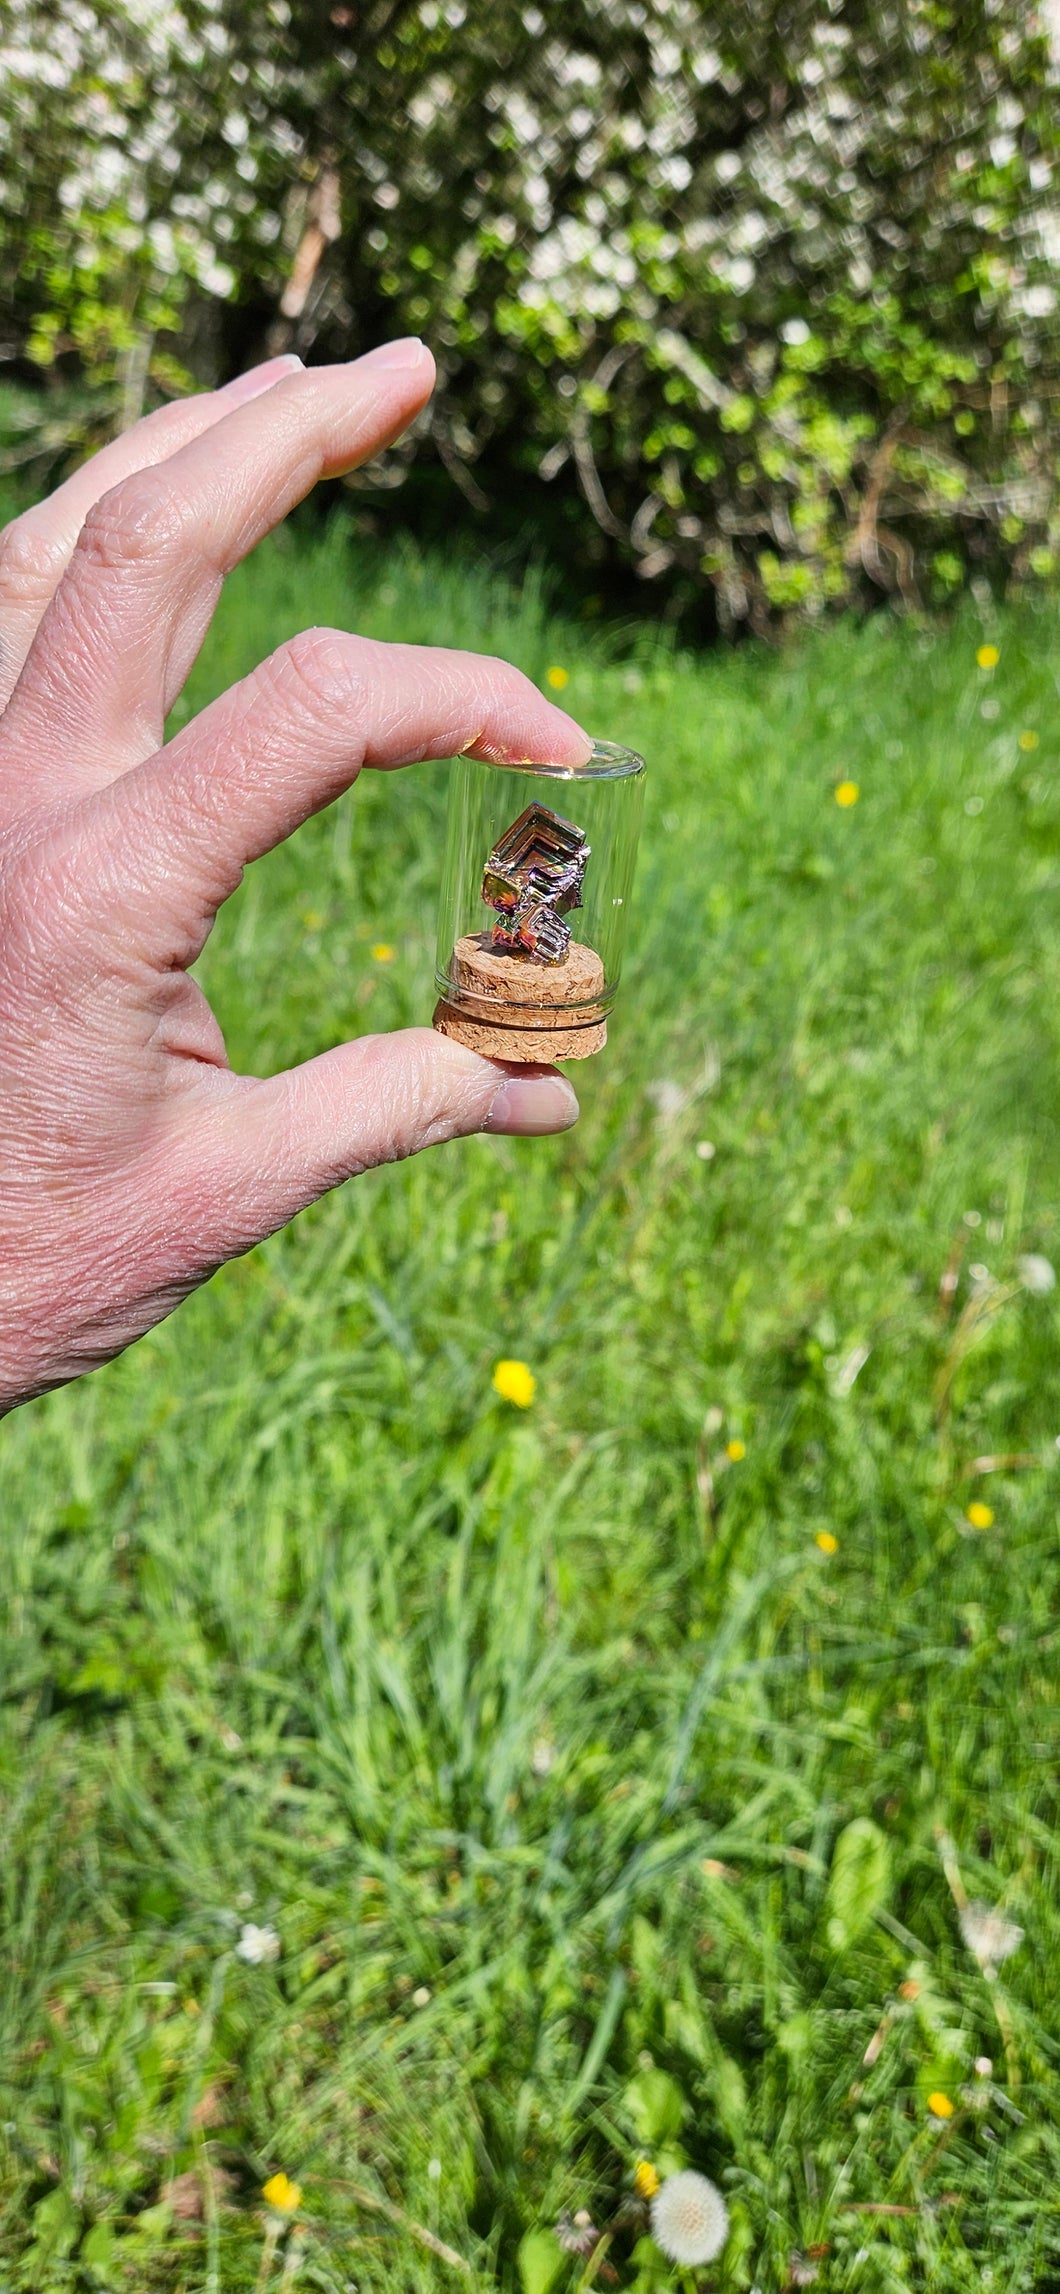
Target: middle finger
point(121, 634)
point(36, 548)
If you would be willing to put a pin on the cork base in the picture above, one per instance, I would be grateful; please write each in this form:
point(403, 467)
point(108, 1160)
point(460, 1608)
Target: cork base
point(522, 1047)
point(515, 1009)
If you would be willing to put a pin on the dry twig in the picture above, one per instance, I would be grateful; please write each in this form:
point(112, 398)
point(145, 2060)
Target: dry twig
point(376, 2204)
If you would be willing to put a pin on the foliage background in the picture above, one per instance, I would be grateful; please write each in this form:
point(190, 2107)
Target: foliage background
point(593, 1778)
point(765, 295)
point(606, 1775)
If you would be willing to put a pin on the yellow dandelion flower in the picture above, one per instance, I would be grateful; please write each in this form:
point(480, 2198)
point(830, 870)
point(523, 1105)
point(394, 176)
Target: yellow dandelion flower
point(847, 794)
point(1030, 740)
point(826, 1541)
point(981, 1516)
point(282, 2194)
point(988, 657)
point(557, 678)
point(313, 920)
point(515, 1382)
point(736, 1451)
point(940, 2105)
point(645, 2179)
point(382, 953)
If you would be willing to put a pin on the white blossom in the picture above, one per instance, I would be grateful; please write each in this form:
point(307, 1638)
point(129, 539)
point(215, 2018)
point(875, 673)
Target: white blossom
point(1037, 1274)
point(257, 1945)
point(130, 99)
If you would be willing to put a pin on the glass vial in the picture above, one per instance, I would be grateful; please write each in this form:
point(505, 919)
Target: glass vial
point(535, 900)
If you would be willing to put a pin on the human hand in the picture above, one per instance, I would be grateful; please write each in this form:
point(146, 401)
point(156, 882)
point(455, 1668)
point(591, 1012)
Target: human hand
point(133, 1162)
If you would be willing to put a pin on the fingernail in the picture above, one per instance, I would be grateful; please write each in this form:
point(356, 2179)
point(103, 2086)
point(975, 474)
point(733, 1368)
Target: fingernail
point(402, 356)
point(532, 1103)
point(500, 753)
point(259, 378)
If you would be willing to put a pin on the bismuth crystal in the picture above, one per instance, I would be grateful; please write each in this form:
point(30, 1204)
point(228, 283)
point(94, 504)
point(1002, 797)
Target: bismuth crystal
point(533, 877)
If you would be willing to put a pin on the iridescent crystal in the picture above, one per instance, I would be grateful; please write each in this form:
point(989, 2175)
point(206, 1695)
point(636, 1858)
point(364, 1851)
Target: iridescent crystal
point(533, 877)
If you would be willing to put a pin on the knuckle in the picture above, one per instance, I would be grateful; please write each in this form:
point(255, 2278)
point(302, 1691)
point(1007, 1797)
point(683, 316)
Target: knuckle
point(323, 669)
point(40, 914)
point(30, 562)
point(418, 1095)
point(134, 524)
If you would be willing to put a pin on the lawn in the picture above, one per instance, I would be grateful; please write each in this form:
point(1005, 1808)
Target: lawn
point(452, 1806)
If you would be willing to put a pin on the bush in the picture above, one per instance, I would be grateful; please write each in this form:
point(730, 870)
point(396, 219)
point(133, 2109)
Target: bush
point(773, 288)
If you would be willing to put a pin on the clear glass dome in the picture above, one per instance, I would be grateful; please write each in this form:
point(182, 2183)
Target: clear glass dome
point(534, 906)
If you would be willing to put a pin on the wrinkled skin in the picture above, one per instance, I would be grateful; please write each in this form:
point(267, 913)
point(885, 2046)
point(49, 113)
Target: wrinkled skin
point(133, 1162)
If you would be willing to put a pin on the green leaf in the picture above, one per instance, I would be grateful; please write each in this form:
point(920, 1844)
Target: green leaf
point(859, 1881)
point(730, 2095)
point(645, 1948)
point(651, 2266)
point(97, 2251)
point(56, 2224)
point(153, 2225)
point(541, 2258)
point(656, 2106)
point(795, 2037)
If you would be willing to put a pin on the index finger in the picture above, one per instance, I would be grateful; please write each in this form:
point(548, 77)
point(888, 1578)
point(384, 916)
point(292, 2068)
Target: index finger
point(177, 833)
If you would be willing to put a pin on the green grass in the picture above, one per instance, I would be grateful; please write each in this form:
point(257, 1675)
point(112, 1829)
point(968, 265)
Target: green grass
point(538, 1736)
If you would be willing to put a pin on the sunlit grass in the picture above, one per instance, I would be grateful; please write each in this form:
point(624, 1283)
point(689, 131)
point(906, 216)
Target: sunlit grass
point(662, 1719)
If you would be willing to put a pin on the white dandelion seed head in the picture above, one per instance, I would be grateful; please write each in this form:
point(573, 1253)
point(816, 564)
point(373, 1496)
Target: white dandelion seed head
point(689, 2218)
point(1036, 1273)
point(257, 1945)
point(990, 1937)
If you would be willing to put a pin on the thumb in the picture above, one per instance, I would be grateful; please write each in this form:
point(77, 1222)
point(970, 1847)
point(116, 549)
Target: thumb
point(274, 1146)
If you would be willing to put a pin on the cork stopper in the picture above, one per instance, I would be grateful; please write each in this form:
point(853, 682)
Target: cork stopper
point(513, 1008)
